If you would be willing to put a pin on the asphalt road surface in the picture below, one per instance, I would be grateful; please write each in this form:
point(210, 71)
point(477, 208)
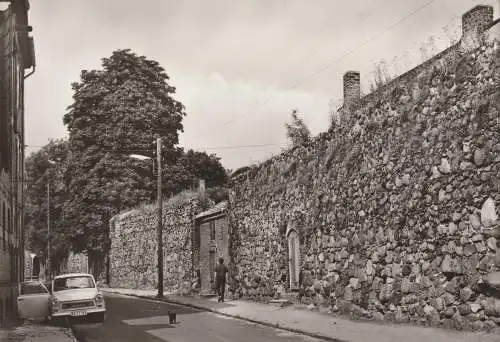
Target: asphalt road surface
point(140, 320)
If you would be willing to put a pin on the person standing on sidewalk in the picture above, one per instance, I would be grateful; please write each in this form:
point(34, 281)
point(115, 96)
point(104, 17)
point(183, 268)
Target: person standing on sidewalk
point(220, 279)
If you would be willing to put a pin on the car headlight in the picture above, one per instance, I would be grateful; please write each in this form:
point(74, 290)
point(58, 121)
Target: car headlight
point(99, 298)
point(55, 303)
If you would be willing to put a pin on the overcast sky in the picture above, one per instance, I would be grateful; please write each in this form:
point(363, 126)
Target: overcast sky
point(240, 67)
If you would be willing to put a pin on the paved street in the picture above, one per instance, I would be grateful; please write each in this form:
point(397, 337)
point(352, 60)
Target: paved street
point(132, 319)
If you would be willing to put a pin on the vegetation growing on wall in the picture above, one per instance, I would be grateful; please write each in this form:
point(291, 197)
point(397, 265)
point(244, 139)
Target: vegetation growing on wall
point(297, 131)
point(400, 202)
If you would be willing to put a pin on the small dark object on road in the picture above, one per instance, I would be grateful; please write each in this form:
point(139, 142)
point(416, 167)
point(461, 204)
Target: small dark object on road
point(172, 317)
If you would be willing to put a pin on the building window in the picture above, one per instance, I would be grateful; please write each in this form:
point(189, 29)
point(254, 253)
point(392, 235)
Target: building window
point(211, 225)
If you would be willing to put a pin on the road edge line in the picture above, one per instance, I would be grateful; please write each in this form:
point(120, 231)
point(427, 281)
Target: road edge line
point(67, 326)
point(202, 308)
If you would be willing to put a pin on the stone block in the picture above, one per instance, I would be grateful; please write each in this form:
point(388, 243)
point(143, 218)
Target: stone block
point(488, 213)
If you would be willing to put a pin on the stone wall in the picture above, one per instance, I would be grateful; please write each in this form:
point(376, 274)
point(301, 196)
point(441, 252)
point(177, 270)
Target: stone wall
point(133, 256)
point(394, 206)
point(76, 263)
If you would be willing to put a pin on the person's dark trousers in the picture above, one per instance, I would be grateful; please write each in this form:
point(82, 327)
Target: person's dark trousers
point(220, 286)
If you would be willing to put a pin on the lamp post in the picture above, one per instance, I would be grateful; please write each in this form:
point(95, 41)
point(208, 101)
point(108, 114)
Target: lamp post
point(159, 228)
point(49, 265)
point(49, 270)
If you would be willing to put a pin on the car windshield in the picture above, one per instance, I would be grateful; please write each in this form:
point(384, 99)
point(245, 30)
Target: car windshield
point(76, 282)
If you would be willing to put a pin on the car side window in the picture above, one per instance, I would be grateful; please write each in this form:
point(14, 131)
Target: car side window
point(32, 289)
point(60, 284)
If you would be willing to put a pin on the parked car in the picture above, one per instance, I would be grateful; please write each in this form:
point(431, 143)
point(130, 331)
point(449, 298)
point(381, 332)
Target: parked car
point(76, 295)
point(33, 300)
point(68, 295)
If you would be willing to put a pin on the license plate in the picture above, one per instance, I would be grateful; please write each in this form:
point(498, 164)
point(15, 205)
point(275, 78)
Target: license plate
point(78, 313)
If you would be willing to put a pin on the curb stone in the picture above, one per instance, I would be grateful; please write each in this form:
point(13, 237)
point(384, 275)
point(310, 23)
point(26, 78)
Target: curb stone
point(68, 331)
point(71, 334)
point(268, 324)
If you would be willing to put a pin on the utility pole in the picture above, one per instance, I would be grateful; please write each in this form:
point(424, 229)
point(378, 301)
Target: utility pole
point(48, 233)
point(159, 232)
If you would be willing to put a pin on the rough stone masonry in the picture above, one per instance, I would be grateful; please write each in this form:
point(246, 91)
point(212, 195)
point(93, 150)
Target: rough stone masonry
point(395, 207)
point(133, 256)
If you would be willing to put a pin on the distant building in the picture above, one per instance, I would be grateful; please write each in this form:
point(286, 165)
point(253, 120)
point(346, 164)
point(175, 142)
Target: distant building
point(31, 266)
point(211, 242)
point(17, 55)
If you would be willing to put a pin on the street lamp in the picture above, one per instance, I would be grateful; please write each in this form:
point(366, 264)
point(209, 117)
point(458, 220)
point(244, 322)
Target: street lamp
point(159, 231)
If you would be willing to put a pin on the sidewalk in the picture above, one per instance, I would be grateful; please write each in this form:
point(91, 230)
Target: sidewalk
point(36, 332)
point(318, 324)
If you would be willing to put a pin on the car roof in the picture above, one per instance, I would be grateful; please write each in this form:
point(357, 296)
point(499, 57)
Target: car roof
point(67, 275)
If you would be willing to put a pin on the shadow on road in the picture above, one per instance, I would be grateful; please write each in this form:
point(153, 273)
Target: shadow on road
point(130, 318)
point(132, 307)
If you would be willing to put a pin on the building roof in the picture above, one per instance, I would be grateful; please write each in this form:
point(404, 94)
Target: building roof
point(216, 209)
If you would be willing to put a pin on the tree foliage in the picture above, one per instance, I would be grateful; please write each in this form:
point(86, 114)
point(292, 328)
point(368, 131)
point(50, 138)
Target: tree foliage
point(47, 167)
point(118, 111)
point(297, 131)
point(200, 165)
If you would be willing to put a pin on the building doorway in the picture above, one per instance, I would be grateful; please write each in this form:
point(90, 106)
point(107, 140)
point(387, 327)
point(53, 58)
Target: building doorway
point(293, 258)
point(35, 273)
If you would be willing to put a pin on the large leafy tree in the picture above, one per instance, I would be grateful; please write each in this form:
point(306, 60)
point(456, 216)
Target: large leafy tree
point(200, 165)
point(45, 170)
point(116, 111)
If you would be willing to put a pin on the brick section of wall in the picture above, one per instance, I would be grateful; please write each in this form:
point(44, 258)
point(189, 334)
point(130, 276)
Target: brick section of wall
point(352, 88)
point(222, 239)
point(204, 266)
point(477, 19)
point(474, 23)
point(219, 246)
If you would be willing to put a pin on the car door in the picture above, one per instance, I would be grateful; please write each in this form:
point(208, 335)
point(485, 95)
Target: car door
point(48, 285)
point(33, 300)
